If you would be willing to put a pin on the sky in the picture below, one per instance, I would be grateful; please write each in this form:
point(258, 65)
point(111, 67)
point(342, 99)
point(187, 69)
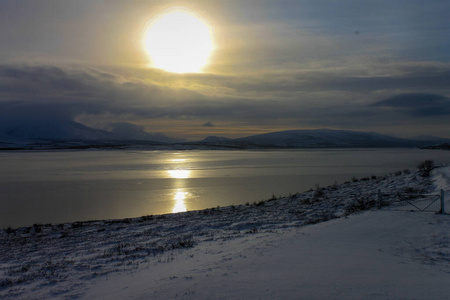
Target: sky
point(380, 66)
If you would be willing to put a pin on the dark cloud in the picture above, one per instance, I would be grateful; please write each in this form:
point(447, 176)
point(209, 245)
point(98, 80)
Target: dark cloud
point(27, 110)
point(61, 94)
point(418, 104)
point(410, 78)
point(75, 92)
point(129, 131)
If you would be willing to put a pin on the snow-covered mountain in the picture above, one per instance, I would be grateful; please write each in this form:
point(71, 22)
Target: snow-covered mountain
point(66, 133)
point(43, 134)
point(320, 138)
point(52, 130)
point(215, 139)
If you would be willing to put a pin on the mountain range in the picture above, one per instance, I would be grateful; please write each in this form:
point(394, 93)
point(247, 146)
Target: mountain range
point(321, 138)
point(71, 134)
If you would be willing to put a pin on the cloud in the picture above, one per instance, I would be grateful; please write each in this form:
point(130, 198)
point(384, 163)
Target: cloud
point(419, 104)
point(129, 131)
point(337, 99)
point(392, 76)
point(73, 92)
point(87, 91)
point(278, 64)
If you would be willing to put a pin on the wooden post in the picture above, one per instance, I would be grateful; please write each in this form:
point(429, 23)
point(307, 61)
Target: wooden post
point(442, 202)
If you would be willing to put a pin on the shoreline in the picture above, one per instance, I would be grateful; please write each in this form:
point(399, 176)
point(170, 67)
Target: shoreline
point(61, 253)
point(317, 195)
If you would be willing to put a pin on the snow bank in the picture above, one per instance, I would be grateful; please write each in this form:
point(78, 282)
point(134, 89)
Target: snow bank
point(232, 252)
point(442, 179)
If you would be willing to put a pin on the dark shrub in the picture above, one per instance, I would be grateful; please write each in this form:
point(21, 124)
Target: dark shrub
point(9, 230)
point(145, 218)
point(77, 225)
point(37, 228)
point(426, 167)
point(361, 205)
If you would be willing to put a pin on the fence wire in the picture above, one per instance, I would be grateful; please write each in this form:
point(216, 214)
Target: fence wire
point(410, 202)
point(430, 203)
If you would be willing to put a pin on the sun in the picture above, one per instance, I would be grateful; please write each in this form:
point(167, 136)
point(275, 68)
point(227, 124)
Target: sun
point(179, 41)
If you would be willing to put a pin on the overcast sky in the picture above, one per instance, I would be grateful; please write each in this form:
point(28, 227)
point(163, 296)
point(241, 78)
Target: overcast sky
point(377, 65)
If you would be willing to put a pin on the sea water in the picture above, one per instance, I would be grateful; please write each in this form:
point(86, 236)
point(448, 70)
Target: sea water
point(67, 186)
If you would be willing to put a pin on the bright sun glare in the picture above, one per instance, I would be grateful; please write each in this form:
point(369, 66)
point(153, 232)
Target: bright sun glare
point(179, 174)
point(179, 41)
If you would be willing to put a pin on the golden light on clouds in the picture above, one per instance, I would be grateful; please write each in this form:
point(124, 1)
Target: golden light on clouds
point(179, 41)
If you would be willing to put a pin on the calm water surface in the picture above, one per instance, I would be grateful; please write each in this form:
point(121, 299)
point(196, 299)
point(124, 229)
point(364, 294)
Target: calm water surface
point(55, 187)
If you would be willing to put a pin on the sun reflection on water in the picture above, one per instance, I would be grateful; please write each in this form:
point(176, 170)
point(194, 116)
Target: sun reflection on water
point(179, 174)
point(180, 195)
point(179, 160)
point(180, 206)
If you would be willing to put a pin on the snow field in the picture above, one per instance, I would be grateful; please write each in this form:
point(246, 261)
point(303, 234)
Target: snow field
point(374, 255)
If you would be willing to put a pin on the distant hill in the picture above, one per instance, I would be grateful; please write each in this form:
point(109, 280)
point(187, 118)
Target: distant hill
point(63, 134)
point(55, 131)
point(320, 138)
point(44, 134)
point(215, 140)
point(445, 146)
point(430, 140)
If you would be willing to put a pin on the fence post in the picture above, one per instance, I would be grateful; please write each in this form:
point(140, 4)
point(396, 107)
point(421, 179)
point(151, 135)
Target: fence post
point(379, 199)
point(442, 202)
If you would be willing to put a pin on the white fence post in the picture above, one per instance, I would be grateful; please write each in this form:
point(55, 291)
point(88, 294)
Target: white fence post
point(442, 202)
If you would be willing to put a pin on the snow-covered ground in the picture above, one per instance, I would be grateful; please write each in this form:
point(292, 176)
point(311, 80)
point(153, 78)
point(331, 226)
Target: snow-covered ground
point(280, 248)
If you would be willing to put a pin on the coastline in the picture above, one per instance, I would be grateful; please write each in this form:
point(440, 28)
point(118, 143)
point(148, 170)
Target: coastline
point(36, 261)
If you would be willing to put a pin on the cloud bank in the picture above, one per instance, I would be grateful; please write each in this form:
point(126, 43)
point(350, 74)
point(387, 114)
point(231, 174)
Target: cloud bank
point(297, 100)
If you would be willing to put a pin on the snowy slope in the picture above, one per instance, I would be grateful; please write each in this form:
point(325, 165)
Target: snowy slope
point(375, 255)
point(263, 250)
point(324, 138)
point(442, 180)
